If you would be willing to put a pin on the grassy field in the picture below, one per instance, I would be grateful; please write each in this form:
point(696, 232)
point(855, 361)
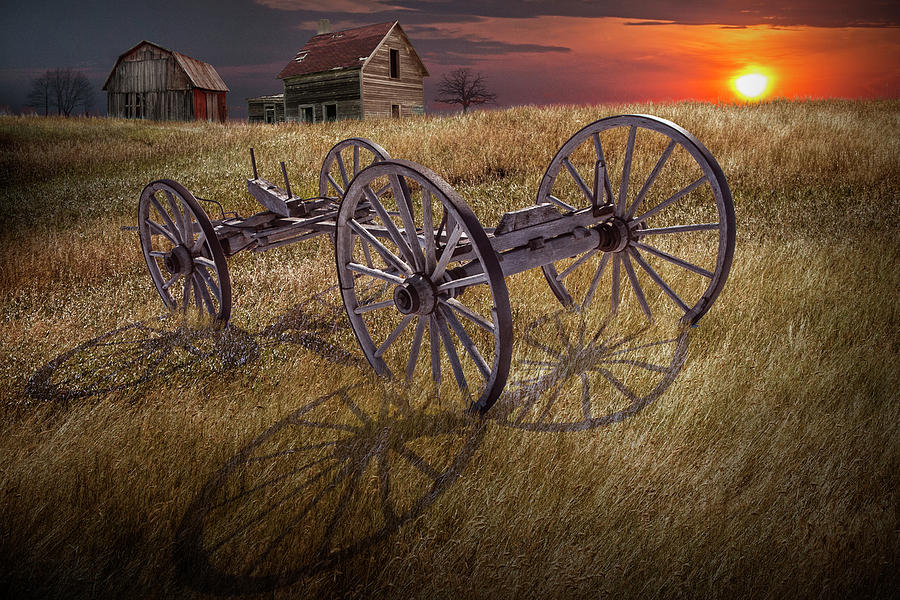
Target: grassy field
point(757, 455)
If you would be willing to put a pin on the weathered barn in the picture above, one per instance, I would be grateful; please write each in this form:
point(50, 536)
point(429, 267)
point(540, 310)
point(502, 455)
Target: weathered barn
point(359, 73)
point(151, 82)
point(266, 109)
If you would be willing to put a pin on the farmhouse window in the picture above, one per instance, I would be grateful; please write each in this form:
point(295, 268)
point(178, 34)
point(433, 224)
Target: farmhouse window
point(330, 112)
point(395, 64)
point(307, 114)
point(395, 111)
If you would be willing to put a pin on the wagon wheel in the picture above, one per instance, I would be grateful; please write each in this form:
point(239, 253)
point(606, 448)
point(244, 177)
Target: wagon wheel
point(674, 223)
point(448, 281)
point(344, 161)
point(184, 256)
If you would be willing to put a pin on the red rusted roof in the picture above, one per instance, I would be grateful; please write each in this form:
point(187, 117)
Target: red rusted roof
point(202, 75)
point(337, 50)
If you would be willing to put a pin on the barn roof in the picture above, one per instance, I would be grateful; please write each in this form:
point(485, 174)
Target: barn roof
point(346, 49)
point(202, 75)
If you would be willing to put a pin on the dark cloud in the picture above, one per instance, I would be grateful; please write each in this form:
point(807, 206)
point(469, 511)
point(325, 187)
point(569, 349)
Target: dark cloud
point(784, 13)
point(466, 50)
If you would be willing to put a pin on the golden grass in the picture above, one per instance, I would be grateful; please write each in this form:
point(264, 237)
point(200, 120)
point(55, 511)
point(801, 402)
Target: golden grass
point(766, 464)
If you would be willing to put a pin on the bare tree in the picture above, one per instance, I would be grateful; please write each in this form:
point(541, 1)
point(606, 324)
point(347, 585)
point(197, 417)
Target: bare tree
point(64, 89)
point(41, 96)
point(464, 88)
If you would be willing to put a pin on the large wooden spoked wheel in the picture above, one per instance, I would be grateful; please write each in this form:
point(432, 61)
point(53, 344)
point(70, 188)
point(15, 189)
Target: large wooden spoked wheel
point(403, 237)
point(668, 248)
point(184, 256)
point(342, 163)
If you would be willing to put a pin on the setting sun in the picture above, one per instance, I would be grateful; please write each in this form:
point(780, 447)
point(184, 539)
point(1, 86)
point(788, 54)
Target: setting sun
point(751, 85)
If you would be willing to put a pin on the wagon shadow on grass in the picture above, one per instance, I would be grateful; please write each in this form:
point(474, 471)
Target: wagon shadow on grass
point(343, 473)
point(330, 480)
point(129, 356)
point(572, 376)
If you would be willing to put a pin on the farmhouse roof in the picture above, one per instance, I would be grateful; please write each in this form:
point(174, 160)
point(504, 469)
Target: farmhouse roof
point(202, 75)
point(346, 49)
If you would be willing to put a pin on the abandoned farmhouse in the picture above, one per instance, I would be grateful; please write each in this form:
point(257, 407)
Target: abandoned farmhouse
point(151, 82)
point(365, 72)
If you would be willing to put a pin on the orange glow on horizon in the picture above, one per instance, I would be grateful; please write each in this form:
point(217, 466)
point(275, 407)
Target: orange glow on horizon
point(617, 60)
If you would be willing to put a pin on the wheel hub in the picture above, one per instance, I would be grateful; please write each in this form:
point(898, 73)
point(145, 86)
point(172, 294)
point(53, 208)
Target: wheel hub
point(614, 235)
point(178, 261)
point(416, 295)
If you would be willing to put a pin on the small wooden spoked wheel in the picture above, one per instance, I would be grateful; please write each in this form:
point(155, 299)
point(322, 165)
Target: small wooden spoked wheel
point(672, 230)
point(411, 256)
point(342, 163)
point(184, 256)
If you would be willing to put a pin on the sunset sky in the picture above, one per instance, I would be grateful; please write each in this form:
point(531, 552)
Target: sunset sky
point(531, 51)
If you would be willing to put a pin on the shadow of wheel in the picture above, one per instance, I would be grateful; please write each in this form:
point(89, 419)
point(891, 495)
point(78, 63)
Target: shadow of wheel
point(338, 475)
point(137, 353)
point(571, 377)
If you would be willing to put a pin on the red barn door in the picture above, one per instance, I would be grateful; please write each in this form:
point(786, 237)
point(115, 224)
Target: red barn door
point(199, 105)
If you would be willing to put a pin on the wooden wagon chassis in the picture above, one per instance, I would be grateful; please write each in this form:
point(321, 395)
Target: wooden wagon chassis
point(412, 257)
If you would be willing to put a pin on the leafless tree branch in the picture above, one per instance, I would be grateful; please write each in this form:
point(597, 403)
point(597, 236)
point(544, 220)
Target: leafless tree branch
point(464, 88)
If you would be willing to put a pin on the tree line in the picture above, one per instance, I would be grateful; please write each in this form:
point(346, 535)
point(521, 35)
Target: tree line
point(63, 91)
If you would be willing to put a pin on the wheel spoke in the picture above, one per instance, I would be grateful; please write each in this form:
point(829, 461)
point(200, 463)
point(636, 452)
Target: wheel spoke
point(343, 169)
point(179, 219)
point(578, 180)
point(206, 262)
point(467, 342)
point(157, 254)
point(451, 353)
point(653, 175)
point(404, 203)
point(186, 298)
point(210, 282)
point(389, 225)
point(355, 160)
point(374, 273)
point(629, 270)
point(363, 309)
point(614, 302)
point(335, 185)
point(204, 293)
point(676, 229)
point(626, 171)
point(428, 231)
point(465, 281)
point(367, 253)
point(153, 225)
point(447, 254)
point(577, 264)
point(596, 280)
point(560, 203)
point(197, 299)
point(659, 280)
point(417, 343)
point(678, 195)
point(674, 259)
point(201, 239)
point(434, 340)
point(389, 257)
point(469, 314)
point(169, 283)
point(394, 335)
point(175, 234)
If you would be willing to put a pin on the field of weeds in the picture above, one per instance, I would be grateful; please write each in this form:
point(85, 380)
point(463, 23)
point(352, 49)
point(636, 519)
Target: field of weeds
point(757, 455)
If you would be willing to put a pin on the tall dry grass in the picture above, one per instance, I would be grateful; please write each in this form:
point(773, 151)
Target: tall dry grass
point(157, 461)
